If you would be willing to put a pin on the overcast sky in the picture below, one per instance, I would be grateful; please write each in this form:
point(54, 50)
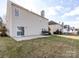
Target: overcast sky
point(66, 11)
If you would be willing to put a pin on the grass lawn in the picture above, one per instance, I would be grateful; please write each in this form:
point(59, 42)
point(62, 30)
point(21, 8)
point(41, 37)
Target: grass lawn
point(52, 46)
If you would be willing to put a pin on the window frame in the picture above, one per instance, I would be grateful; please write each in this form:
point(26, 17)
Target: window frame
point(17, 12)
point(20, 31)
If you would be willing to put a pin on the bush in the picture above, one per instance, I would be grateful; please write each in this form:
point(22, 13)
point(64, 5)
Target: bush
point(58, 32)
point(78, 32)
point(3, 31)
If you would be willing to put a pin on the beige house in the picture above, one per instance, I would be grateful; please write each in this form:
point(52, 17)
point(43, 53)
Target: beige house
point(22, 22)
point(54, 27)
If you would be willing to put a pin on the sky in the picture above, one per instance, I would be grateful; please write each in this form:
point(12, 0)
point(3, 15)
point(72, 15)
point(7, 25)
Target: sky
point(66, 11)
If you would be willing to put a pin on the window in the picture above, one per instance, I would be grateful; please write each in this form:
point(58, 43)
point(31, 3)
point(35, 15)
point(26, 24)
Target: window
point(16, 12)
point(20, 31)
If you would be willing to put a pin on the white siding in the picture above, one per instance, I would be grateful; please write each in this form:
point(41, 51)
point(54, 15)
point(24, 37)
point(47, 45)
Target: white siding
point(54, 28)
point(32, 23)
point(9, 18)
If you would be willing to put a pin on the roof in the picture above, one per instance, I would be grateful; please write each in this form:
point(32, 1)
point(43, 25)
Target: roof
point(27, 10)
point(52, 23)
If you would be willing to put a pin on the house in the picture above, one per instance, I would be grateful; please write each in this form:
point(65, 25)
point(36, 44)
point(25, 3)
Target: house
point(22, 22)
point(66, 29)
point(69, 30)
point(53, 26)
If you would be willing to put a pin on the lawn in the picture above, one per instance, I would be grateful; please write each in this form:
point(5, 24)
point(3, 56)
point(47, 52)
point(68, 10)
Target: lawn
point(53, 46)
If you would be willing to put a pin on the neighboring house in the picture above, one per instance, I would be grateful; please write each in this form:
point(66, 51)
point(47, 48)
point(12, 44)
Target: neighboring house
point(22, 22)
point(69, 30)
point(53, 26)
point(66, 29)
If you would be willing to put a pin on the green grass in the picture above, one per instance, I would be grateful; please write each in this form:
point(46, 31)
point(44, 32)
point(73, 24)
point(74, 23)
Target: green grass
point(52, 46)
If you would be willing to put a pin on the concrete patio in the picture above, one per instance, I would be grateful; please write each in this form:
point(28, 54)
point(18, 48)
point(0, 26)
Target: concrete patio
point(29, 37)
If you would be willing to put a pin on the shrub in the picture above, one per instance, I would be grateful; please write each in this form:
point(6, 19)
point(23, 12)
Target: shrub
point(78, 32)
point(58, 32)
point(3, 31)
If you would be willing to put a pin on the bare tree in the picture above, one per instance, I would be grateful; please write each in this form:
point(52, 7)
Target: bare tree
point(1, 21)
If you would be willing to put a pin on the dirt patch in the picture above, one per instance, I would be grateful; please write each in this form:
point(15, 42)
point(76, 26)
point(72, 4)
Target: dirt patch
point(68, 36)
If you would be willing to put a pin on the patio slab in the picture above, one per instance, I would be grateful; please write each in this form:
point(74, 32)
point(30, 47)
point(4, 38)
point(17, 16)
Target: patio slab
point(29, 37)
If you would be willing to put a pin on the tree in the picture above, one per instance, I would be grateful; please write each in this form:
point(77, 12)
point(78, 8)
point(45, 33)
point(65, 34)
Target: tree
point(69, 28)
point(1, 21)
